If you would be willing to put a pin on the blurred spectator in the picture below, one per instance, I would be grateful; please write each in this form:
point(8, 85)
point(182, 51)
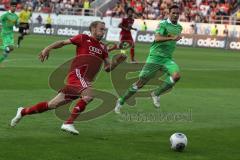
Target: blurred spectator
point(225, 31)
point(238, 17)
point(214, 31)
point(192, 10)
point(39, 19)
point(144, 26)
point(86, 6)
point(48, 24)
point(118, 10)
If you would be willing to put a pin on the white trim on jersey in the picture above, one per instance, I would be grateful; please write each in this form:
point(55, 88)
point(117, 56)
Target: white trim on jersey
point(82, 81)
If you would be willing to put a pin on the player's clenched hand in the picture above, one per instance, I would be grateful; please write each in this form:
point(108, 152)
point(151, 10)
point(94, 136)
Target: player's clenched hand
point(44, 55)
point(177, 38)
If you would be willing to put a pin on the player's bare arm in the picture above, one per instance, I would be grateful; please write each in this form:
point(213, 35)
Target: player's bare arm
point(135, 29)
point(160, 38)
point(117, 59)
point(44, 54)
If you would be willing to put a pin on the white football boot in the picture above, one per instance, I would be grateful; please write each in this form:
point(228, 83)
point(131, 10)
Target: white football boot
point(156, 100)
point(69, 128)
point(17, 118)
point(118, 107)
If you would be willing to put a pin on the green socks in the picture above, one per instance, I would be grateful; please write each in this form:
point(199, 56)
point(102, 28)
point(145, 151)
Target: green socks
point(131, 91)
point(168, 84)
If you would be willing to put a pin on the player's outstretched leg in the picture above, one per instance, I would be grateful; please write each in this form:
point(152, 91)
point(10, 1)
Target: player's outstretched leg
point(68, 124)
point(57, 101)
point(21, 112)
point(6, 52)
point(132, 54)
point(20, 38)
point(130, 92)
point(166, 86)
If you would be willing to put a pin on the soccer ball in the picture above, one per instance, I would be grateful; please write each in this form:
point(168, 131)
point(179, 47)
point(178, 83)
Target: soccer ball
point(178, 141)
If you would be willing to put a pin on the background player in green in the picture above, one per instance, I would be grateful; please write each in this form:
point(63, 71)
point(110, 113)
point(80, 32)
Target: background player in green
point(8, 20)
point(159, 58)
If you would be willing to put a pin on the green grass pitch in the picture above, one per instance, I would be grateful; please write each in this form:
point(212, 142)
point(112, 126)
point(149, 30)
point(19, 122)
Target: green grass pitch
point(209, 88)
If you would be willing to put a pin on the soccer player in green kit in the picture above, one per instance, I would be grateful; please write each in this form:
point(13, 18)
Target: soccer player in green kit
point(8, 20)
point(159, 58)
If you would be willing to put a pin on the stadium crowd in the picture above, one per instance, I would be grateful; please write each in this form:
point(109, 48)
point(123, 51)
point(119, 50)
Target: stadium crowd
point(48, 6)
point(192, 10)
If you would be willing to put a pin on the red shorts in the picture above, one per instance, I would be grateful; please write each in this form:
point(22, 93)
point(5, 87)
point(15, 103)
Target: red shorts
point(126, 38)
point(75, 85)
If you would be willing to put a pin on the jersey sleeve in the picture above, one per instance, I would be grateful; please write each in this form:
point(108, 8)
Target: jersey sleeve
point(161, 28)
point(77, 40)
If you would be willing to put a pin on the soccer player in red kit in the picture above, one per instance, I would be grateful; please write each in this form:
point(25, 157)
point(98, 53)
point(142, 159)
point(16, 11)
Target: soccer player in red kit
point(88, 49)
point(125, 34)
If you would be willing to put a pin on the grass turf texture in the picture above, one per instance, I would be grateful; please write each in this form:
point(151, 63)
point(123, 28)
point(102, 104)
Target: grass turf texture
point(209, 88)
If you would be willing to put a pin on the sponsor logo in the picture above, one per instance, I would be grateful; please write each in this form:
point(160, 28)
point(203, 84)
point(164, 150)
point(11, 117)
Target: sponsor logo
point(185, 41)
point(145, 38)
point(39, 30)
point(94, 50)
point(234, 45)
point(211, 43)
point(67, 32)
point(42, 30)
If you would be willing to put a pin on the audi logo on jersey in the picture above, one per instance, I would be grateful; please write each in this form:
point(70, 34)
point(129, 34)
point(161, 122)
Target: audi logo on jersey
point(94, 50)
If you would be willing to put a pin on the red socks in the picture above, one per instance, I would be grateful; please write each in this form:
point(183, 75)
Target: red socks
point(132, 54)
point(38, 108)
point(80, 106)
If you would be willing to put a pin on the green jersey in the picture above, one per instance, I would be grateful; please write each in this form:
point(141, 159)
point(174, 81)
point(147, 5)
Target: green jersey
point(8, 20)
point(165, 49)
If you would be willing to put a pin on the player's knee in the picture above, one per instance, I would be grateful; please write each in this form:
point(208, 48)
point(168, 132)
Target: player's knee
point(87, 99)
point(176, 77)
point(53, 104)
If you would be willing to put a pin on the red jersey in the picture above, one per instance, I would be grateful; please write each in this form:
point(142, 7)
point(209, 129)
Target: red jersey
point(126, 22)
point(90, 54)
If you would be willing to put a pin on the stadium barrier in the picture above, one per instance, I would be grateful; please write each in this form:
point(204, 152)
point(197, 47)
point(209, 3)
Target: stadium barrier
point(195, 35)
point(194, 40)
point(190, 40)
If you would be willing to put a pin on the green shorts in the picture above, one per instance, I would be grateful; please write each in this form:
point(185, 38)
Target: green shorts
point(7, 39)
point(155, 64)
